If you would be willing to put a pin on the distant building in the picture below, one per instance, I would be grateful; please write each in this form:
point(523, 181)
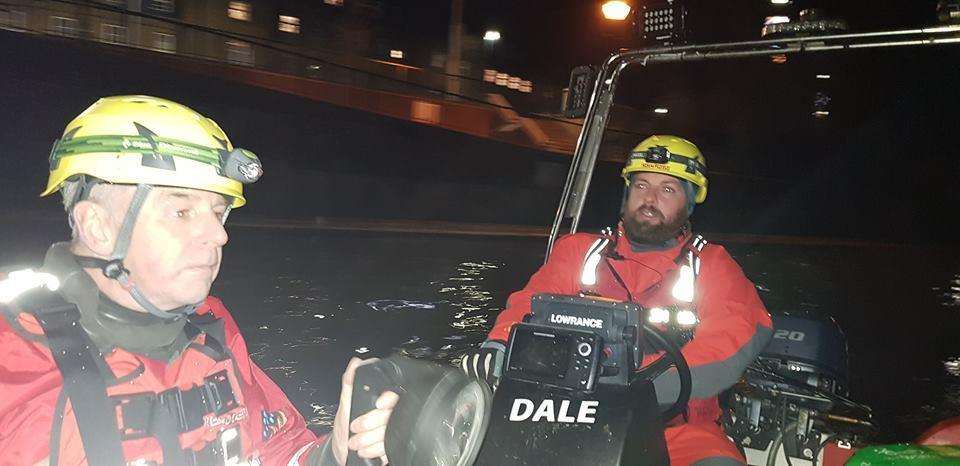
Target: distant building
point(332, 26)
point(361, 43)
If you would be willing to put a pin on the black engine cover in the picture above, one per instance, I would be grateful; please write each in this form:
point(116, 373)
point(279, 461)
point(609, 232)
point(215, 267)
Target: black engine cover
point(813, 347)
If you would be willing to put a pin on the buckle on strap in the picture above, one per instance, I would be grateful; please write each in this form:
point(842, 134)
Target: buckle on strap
point(219, 393)
point(135, 412)
point(188, 408)
point(173, 400)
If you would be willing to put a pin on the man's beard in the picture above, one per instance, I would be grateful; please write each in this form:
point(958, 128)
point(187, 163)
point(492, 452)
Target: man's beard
point(640, 232)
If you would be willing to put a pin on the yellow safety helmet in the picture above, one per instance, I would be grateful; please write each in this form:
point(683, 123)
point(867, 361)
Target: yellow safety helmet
point(137, 139)
point(670, 155)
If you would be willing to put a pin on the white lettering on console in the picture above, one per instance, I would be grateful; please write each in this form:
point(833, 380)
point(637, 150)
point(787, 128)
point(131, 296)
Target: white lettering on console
point(574, 320)
point(548, 411)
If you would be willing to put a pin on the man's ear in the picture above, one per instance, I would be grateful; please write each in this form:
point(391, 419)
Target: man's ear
point(95, 227)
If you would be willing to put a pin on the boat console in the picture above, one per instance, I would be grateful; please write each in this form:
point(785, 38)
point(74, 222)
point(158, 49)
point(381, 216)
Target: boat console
point(571, 394)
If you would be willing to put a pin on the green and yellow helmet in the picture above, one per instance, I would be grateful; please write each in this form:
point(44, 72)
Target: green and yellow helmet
point(670, 155)
point(139, 139)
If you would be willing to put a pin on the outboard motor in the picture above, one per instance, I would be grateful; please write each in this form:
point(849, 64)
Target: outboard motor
point(571, 394)
point(809, 351)
point(792, 400)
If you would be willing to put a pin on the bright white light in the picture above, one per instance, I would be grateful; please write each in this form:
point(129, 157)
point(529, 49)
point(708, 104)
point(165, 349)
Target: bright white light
point(661, 110)
point(770, 20)
point(686, 318)
point(396, 54)
point(21, 281)
point(492, 35)
point(617, 10)
point(779, 2)
point(823, 76)
point(658, 315)
point(821, 113)
point(683, 289)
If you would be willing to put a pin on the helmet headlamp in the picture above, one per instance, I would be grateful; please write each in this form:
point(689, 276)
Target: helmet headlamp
point(658, 154)
point(242, 165)
point(669, 155)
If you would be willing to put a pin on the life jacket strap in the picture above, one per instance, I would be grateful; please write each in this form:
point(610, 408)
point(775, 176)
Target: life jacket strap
point(83, 382)
point(163, 415)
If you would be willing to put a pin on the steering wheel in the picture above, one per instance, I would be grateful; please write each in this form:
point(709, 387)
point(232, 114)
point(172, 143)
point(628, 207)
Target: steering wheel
point(671, 357)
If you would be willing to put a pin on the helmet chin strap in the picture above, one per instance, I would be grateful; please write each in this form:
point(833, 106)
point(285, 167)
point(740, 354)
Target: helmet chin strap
point(113, 266)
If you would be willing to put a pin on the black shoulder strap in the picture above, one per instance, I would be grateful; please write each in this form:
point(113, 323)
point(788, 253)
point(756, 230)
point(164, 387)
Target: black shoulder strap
point(693, 245)
point(83, 382)
point(213, 346)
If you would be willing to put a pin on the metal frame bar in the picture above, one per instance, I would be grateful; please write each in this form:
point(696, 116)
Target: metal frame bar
point(591, 134)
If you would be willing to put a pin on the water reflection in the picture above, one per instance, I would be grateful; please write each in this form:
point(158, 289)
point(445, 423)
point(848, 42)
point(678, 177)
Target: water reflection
point(471, 301)
point(322, 415)
point(952, 366)
point(390, 305)
point(951, 293)
point(951, 297)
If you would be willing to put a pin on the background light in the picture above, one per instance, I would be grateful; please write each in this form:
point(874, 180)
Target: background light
point(616, 10)
point(492, 35)
point(661, 110)
point(662, 23)
point(396, 54)
point(776, 20)
point(489, 76)
point(780, 2)
point(823, 76)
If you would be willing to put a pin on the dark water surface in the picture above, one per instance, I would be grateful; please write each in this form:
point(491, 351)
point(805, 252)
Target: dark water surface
point(308, 300)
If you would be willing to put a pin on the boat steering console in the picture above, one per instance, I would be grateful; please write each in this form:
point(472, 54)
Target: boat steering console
point(573, 392)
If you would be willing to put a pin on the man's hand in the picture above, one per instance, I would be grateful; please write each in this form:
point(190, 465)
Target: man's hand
point(369, 429)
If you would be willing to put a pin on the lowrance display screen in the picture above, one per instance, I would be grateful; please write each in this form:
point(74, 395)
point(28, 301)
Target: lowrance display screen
point(541, 354)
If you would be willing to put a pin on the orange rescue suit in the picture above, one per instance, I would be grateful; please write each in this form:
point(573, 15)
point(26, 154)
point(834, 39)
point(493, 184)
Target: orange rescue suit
point(734, 325)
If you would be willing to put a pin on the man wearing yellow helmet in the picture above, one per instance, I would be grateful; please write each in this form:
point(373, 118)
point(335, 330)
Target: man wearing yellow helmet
point(114, 353)
point(692, 290)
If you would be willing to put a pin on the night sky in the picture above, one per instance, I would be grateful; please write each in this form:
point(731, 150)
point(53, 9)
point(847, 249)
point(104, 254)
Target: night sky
point(546, 40)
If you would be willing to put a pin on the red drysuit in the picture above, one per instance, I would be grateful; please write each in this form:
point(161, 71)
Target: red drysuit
point(271, 431)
